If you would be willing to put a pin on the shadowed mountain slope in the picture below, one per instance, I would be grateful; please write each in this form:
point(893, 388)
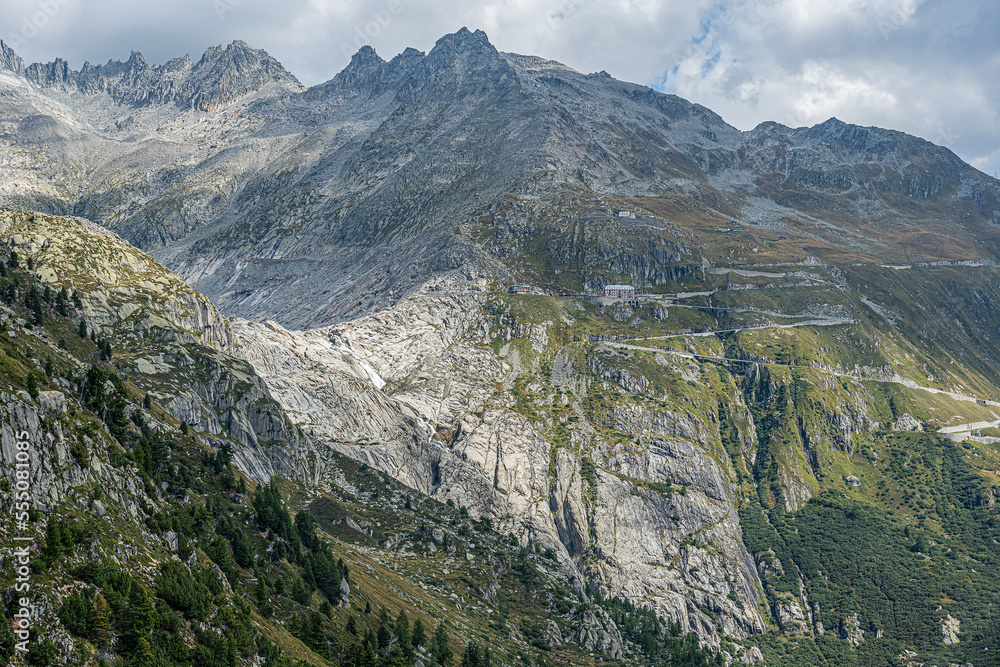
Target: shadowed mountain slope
point(332, 201)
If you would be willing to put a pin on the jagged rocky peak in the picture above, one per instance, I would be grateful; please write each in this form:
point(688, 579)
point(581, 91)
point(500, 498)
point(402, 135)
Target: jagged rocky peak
point(452, 58)
point(832, 132)
point(365, 71)
point(179, 63)
point(136, 61)
point(466, 40)
point(853, 144)
point(366, 57)
point(242, 59)
point(223, 75)
point(466, 62)
point(879, 142)
point(408, 53)
point(463, 45)
point(836, 132)
point(56, 74)
point(767, 127)
point(9, 60)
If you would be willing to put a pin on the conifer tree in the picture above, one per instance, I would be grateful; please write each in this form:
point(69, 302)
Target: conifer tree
point(384, 637)
point(263, 603)
point(308, 577)
point(299, 593)
point(33, 302)
point(101, 634)
point(475, 656)
point(316, 634)
point(440, 647)
point(144, 654)
point(403, 633)
point(367, 657)
point(139, 617)
point(419, 636)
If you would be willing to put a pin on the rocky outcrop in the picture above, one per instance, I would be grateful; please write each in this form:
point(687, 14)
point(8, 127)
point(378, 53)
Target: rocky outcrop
point(567, 504)
point(627, 380)
point(950, 627)
point(596, 632)
point(124, 291)
point(178, 342)
point(223, 399)
point(9, 60)
point(769, 564)
point(791, 617)
point(674, 573)
point(907, 422)
point(850, 630)
point(61, 474)
point(31, 433)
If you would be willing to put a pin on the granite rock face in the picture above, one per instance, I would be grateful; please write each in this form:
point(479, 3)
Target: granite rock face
point(54, 474)
point(907, 422)
point(950, 627)
point(415, 391)
point(9, 60)
point(181, 347)
point(851, 631)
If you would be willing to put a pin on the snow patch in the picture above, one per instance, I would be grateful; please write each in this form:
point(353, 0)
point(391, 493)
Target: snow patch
point(885, 314)
point(10, 80)
point(372, 374)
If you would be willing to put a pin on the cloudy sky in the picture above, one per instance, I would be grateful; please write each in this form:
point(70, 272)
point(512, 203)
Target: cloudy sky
point(928, 67)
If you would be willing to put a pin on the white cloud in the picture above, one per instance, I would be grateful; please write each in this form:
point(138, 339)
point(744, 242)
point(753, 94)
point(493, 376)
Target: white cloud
point(926, 68)
point(989, 164)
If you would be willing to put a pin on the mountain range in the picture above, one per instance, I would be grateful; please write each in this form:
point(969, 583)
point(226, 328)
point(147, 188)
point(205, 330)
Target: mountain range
point(782, 451)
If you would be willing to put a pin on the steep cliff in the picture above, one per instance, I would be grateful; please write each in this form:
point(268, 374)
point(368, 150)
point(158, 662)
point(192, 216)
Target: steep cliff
point(171, 341)
point(421, 392)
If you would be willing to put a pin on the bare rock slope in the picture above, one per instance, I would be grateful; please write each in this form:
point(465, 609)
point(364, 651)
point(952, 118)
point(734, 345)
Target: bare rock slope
point(419, 392)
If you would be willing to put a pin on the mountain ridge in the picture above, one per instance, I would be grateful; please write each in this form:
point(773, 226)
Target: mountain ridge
point(440, 145)
point(222, 75)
